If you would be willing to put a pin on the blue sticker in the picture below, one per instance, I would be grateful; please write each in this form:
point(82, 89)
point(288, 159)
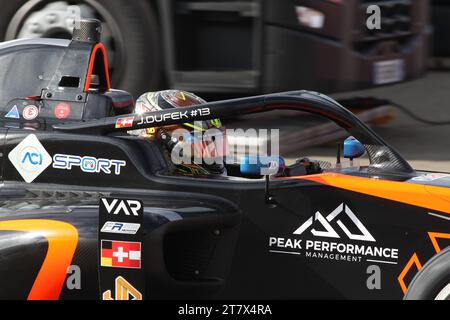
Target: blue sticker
point(13, 113)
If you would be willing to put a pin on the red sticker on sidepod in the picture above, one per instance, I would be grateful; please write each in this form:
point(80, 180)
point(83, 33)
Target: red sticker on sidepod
point(62, 111)
point(30, 112)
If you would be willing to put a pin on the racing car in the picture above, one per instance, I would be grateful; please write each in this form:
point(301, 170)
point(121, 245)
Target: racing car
point(89, 211)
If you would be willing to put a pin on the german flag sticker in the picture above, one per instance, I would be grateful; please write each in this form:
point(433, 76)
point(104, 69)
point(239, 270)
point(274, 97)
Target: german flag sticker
point(121, 254)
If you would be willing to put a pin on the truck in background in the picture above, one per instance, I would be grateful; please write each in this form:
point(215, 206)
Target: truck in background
point(253, 46)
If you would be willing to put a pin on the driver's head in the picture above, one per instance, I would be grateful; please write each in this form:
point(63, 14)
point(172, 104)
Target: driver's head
point(206, 150)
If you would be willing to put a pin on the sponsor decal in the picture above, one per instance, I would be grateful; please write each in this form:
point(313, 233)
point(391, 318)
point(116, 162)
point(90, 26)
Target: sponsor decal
point(311, 240)
point(62, 111)
point(121, 254)
point(177, 115)
point(123, 291)
point(330, 232)
point(30, 112)
point(30, 158)
point(88, 164)
point(13, 113)
point(120, 227)
point(126, 207)
point(126, 122)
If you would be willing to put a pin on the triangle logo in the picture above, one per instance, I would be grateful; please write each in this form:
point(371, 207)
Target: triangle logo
point(318, 218)
point(13, 113)
point(330, 232)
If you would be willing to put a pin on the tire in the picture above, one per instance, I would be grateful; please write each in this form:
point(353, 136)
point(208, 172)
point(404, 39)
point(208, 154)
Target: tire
point(431, 280)
point(137, 34)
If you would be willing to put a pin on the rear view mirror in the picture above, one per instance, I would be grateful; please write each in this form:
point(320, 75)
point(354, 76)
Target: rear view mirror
point(262, 165)
point(353, 149)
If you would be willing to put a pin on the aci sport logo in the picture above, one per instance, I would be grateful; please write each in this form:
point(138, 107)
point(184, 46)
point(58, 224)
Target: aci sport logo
point(30, 158)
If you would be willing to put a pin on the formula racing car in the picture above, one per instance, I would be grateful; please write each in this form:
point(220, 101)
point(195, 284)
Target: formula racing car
point(89, 211)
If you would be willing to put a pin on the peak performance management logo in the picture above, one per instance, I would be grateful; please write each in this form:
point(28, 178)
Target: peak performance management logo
point(339, 236)
point(330, 232)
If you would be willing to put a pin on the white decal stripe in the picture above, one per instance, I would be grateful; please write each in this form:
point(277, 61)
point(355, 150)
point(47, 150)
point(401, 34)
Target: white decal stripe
point(438, 216)
point(285, 252)
point(304, 226)
point(335, 213)
point(367, 236)
point(379, 261)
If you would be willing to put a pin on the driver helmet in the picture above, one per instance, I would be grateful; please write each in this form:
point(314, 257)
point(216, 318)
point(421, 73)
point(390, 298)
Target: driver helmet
point(207, 155)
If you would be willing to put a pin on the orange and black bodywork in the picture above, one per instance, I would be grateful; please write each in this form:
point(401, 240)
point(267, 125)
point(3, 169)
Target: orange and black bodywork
point(196, 237)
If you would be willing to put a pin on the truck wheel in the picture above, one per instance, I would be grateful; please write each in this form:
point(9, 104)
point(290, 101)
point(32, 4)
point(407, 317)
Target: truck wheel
point(130, 33)
point(432, 282)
